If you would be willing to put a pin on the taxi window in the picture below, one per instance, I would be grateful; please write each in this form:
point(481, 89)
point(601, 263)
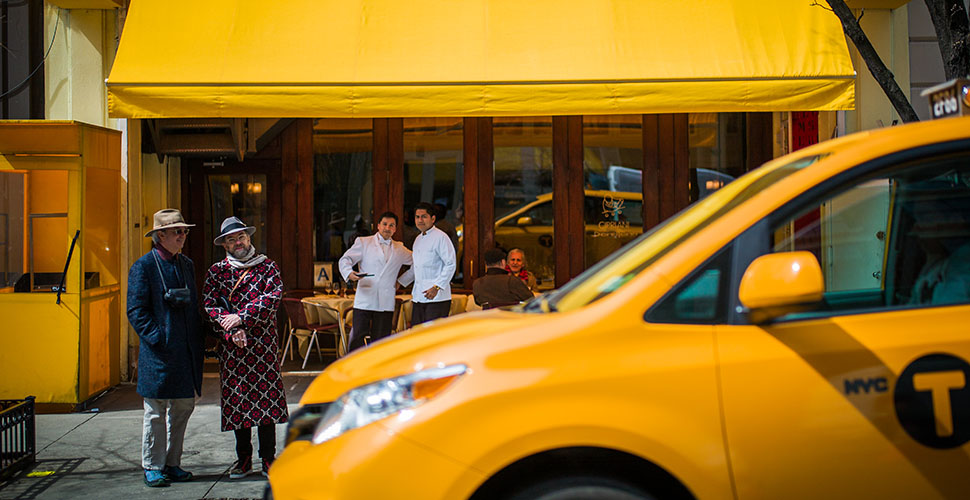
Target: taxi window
point(539, 215)
point(899, 239)
point(701, 298)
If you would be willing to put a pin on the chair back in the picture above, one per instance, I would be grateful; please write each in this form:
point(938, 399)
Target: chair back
point(493, 305)
point(296, 314)
point(457, 304)
point(326, 315)
point(298, 294)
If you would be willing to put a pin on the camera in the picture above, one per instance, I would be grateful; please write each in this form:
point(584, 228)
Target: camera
point(178, 298)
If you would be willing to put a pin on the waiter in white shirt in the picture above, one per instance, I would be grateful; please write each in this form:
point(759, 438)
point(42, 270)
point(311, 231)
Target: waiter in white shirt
point(434, 266)
point(380, 260)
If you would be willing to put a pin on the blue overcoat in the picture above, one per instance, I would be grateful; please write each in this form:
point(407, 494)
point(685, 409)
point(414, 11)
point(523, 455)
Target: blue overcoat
point(170, 351)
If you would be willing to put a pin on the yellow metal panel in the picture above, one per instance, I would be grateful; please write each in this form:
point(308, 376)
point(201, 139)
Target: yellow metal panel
point(381, 58)
point(99, 343)
point(42, 137)
point(39, 347)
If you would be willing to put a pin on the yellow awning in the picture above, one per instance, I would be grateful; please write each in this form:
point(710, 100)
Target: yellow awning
point(393, 58)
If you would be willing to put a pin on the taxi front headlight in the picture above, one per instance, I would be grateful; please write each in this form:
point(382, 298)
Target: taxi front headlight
point(369, 403)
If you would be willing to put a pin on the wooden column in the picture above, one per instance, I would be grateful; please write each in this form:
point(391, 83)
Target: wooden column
point(569, 225)
point(666, 155)
point(388, 169)
point(651, 171)
point(759, 140)
point(379, 175)
point(395, 167)
point(479, 203)
point(296, 261)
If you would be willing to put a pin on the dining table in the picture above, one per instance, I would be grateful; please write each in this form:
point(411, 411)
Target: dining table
point(327, 309)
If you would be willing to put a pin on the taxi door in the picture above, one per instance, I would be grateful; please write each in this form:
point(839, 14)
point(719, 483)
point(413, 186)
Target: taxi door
point(867, 395)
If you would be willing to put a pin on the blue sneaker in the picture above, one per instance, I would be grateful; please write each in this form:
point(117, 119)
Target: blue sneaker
point(155, 479)
point(175, 474)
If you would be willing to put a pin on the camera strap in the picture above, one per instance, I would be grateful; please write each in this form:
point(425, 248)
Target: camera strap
point(159, 267)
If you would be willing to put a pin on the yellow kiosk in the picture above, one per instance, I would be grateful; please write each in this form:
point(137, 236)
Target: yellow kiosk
point(60, 260)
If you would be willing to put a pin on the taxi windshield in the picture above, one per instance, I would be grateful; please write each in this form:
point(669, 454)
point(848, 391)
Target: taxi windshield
point(619, 268)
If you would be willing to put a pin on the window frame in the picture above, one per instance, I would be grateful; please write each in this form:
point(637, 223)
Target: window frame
point(824, 191)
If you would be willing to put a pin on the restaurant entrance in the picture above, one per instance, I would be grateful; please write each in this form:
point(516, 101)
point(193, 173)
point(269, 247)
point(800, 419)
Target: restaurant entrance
point(249, 190)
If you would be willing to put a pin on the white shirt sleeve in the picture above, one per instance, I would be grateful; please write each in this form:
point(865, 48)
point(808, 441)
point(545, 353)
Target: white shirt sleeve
point(446, 252)
point(352, 256)
point(408, 277)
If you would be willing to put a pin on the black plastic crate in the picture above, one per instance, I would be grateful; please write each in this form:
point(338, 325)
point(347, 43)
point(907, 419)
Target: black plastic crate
point(18, 437)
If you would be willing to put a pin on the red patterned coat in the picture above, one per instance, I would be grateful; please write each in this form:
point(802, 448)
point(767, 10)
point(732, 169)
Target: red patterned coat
point(252, 386)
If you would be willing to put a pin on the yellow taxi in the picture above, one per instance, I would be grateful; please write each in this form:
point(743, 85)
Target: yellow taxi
point(802, 332)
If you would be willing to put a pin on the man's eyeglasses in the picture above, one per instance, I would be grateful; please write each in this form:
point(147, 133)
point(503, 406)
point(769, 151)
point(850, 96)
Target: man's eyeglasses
point(180, 230)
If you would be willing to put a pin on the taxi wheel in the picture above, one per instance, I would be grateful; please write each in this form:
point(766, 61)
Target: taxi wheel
point(581, 488)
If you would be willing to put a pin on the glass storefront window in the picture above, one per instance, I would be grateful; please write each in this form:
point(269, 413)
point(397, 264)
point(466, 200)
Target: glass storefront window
point(523, 192)
point(33, 229)
point(434, 173)
point(343, 193)
point(613, 169)
point(102, 257)
point(240, 195)
point(717, 151)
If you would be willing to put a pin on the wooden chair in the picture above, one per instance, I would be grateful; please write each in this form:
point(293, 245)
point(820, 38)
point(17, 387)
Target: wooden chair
point(298, 321)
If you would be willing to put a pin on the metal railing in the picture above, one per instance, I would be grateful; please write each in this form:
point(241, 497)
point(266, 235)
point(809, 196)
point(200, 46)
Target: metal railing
point(18, 437)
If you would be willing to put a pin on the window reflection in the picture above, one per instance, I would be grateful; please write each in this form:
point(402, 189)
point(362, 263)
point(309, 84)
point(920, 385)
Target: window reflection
point(613, 169)
point(717, 151)
point(523, 192)
point(343, 194)
point(434, 173)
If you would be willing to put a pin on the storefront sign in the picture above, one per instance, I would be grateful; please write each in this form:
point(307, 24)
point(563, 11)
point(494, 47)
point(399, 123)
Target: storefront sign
point(949, 99)
point(612, 210)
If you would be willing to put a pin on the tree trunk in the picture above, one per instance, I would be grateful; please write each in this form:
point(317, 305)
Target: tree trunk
point(878, 69)
point(953, 33)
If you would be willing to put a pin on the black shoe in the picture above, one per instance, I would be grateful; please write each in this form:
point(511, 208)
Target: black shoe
point(267, 462)
point(175, 474)
point(241, 468)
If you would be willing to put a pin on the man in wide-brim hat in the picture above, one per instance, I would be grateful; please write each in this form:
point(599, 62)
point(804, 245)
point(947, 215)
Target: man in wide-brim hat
point(241, 294)
point(163, 308)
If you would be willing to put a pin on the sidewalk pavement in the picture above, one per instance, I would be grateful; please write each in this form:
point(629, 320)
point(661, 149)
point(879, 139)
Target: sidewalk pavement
point(97, 454)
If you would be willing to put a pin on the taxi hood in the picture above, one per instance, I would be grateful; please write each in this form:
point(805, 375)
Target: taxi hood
point(457, 339)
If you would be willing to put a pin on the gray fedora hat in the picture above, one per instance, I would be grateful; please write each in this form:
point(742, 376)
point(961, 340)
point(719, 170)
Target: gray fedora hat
point(167, 218)
point(232, 225)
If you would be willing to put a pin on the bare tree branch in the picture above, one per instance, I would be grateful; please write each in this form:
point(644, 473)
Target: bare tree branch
point(878, 69)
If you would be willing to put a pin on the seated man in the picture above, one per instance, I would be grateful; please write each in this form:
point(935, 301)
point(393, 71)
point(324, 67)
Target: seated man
point(498, 287)
point(943, 236)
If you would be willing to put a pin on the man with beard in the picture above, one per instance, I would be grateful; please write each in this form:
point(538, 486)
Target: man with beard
point(242, 293)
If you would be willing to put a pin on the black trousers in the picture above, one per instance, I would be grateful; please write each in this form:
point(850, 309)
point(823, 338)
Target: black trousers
point(267, 442)
point(427, 311)
point(376, 324)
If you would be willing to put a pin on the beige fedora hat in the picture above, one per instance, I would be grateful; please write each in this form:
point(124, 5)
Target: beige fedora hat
point(168, 218)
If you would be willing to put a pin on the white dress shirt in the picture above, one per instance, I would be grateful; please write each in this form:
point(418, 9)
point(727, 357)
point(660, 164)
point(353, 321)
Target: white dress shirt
point(434, 264)
point(382, 258)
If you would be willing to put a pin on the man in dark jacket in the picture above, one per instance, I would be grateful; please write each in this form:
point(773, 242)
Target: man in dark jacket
point(498, 287)
point(163, 308)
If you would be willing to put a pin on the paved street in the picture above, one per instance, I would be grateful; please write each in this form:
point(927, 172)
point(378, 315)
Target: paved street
point(97, 454)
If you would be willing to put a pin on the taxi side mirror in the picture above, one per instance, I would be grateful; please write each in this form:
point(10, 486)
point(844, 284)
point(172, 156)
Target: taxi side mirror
point(781, 283)
point(523, 221)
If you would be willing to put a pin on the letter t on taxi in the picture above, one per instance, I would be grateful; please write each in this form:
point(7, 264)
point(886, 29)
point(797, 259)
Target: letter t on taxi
point(939, 384)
